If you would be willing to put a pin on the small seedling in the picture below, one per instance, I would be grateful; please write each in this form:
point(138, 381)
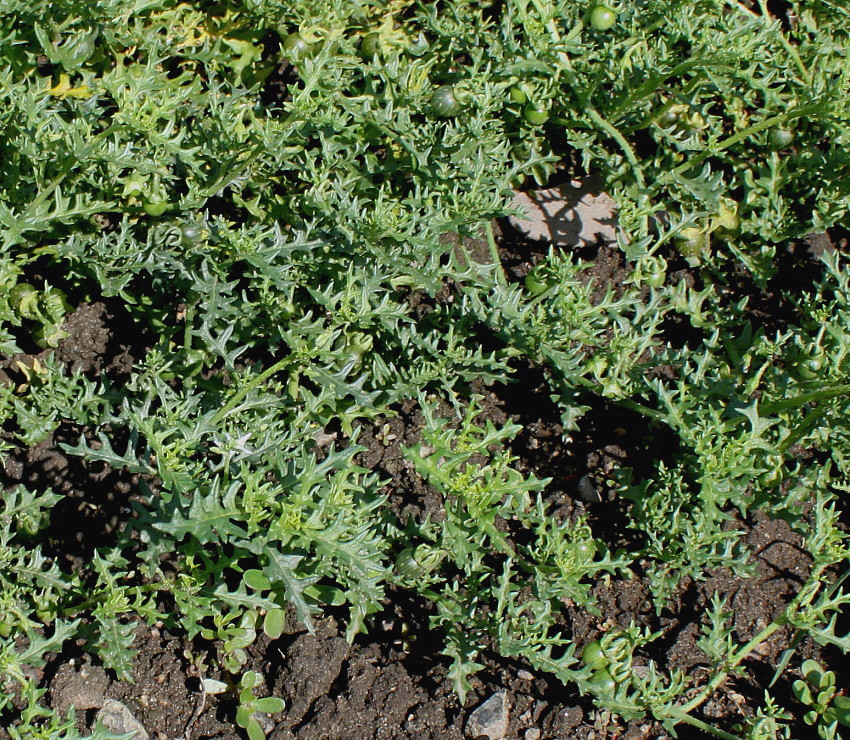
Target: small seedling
point(250, 705)
point(829, 709)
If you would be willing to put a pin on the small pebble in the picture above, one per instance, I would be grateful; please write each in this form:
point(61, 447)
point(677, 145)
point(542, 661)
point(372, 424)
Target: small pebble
point(490, 719)
point(115, 717)
point(266, 721)
point(533, 733)
point(525, 675)
point(587, 491)
point(641, 671)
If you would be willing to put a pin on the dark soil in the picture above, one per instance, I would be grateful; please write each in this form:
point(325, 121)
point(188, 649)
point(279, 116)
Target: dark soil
point(394, 684)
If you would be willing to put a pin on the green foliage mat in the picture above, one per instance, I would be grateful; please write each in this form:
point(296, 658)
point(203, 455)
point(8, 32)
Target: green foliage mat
point(266, 189)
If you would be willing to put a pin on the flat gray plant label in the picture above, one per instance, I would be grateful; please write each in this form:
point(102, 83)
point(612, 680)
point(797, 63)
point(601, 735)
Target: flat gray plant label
point(571, 215)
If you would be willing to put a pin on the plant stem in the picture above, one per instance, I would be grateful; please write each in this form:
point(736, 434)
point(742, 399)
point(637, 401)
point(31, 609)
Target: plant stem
point(607, 127)
point(494, 252)
point(615, 134)
point(237, 397)
point(735, 138)
point(627, 403)
point(232, 172)
point(654, 414)
point(630, 155)
point(188, 318)
point(811, 397)
point(772, 408)
point(678, 714)
point(733, 663)
point(801, 429)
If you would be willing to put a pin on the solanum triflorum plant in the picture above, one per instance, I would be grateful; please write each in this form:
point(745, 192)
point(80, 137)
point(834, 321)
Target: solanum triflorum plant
point(477, 608)
point(266, 189)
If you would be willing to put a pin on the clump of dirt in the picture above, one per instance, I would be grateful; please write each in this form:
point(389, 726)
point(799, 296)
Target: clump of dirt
point(85, 347)
point(333, 689)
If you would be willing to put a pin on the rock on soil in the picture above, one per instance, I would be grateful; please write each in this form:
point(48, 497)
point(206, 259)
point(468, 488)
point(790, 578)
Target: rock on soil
point(574, 214)
point(115, 717)
point(490, 719)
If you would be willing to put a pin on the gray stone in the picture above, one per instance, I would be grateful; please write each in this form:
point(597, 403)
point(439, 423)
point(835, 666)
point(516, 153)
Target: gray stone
point(266, 721)
point(587, 491)
point(490, 719)
point(573, 214)
point(115, 717)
